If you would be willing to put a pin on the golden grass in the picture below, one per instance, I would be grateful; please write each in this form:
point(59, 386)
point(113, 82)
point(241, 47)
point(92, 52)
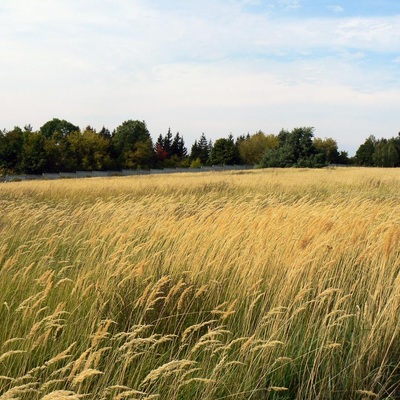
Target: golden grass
point(273, 284)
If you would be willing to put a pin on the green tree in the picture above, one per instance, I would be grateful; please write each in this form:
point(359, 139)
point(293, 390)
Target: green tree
point(201, 149)
point(58, 128)
point(224, 152)
point(131, 140)
point(177, 152)
point(386, 154)
point(178, 148)
point(327, 150)
point(91, 150)
point(343, 158)
point(59, 157)
point(252, 148)
point(296, 149)
point(141, 156)
point(105, 133)
point(196, 163)
point(170, 152)
point(33, 157)
point(11, 143)
point(301, 141)
point(281, 157)
point(195, 151)
point(167, 143)
point(396, 143)
point(364, 154)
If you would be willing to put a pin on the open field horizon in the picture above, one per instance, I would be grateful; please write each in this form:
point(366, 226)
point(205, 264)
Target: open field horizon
point(262, 284)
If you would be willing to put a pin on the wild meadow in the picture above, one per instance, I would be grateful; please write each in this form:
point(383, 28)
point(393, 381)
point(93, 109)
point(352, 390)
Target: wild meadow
point(266, 284)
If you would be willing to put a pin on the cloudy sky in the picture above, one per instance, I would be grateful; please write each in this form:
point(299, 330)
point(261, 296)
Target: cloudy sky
point(212, 66)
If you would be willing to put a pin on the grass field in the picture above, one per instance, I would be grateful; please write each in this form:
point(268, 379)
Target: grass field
point(267, 284)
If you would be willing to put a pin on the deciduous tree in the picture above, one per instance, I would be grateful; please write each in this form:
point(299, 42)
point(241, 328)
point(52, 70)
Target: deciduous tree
point(11, 143)
point(296, 149)
point(327, 150)
point(33, 157)
point(60, 128)
point(131, 140)
point(252, 148)
point(91, 150)
point(224, 152)
point(364, 154)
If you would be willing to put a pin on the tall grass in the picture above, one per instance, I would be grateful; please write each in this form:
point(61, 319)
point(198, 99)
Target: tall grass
point(276, 284)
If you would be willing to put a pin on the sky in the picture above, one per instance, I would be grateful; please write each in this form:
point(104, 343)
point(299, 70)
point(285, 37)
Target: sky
point(215, 66)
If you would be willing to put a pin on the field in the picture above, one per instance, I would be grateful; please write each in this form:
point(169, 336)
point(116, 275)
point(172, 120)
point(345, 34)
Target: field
point(267, 284)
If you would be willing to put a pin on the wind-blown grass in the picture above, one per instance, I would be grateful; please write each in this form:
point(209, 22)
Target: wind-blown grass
point(275, 284)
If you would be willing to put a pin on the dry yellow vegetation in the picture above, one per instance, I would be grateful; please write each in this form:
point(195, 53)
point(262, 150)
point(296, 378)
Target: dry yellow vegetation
point(266, 284)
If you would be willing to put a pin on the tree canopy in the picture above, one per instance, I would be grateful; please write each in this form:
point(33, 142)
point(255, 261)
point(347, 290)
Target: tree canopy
point(132, 144)
point(379, 153)
point(224, 152)
point(61, 146)
point(201, 150)
point(62, 128)
point(252, 148)
point(170, 151)
point(295, 148)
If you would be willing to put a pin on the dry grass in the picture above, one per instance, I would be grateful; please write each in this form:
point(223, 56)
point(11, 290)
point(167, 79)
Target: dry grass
point(269, 284)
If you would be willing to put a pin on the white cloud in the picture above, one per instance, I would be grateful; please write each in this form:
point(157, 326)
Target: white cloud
point(290, 4)
point(131, 30)
point(197, 66)
point(335, 8)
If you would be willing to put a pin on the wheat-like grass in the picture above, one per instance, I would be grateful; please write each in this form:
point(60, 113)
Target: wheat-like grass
point(85, 374)
point(202, 286)
point(171, 367)
point(62, 395)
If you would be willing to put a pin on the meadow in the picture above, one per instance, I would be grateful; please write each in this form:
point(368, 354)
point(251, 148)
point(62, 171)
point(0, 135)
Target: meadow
point(264, 284)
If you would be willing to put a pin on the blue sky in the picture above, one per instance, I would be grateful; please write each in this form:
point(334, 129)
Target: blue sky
point(212, 66)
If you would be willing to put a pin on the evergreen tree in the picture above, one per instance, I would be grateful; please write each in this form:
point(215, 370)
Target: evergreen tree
point(195, 151)
point(105, 133)
point(205, 149)
point(203, 143)
point(167, 143)
point(178, 148)
point(201, 150)
point(161, 154)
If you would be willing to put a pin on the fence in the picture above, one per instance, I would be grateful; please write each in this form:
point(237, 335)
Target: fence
point(124, 172)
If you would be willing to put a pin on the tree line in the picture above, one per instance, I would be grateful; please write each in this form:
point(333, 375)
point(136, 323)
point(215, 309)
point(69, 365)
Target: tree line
point(60, 146)
point(379, 152)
